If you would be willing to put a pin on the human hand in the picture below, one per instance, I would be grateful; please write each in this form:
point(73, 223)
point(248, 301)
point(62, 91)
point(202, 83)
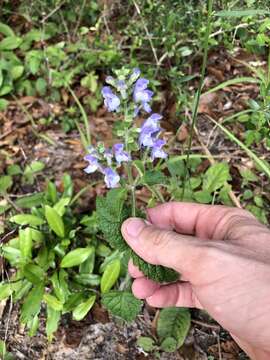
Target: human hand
point(223, 255)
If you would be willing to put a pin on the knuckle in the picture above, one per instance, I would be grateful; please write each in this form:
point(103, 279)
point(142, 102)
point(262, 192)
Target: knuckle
point(161, 237)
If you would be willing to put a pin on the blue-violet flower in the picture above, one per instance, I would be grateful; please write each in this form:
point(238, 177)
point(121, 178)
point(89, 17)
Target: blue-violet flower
point(111, 101)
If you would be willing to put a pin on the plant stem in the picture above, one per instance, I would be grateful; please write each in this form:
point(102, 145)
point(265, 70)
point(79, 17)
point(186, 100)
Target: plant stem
point(199, 91)
point(87, 133)
point(132, 188)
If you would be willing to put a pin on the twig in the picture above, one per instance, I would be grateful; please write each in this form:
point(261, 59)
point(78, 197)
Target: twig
point(7, 198)
point(53, 12)
point(80, 18)
point(206, 325)
point(147, 32)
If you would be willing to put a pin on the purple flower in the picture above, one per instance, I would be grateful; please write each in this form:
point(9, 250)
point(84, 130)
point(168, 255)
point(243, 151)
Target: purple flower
point(121, 85)
point(93, 164)
point(111, 177)
point(120, 154)
point(142, 95)
point(149, 130)
point(157, 151)
point(111, 101)
point(108, 155)
point(135, 75)
point(152, 122)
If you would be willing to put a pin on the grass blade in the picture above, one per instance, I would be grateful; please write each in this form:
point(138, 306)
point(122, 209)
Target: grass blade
point(260, 163)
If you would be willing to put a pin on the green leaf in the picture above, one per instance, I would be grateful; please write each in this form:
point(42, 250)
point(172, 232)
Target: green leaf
point(215, 177)
point(6, 30)
point(88, 265)
point(203, 197)
point(87, 279)
point(82, 309)
point(55, 221)
point(33, 273)
point(154, 177)
point(5, 291)
point(111, 213)
point(110, 275)
point(73, 301)
point(76, 257)
point(242, 13)
point(169, 345)
point(22, 291)
point(33, 326)
point(32, 303)
point(3, 104)
point(14, 170)
point(174, 322)
point(41, 86)
point(26, 243)
point(248, 175)
point(53, 302)
point(146, 343)
point(5, 183)
point(10, 43)
point(122, 304)
point(52, 321)
point(60, 206)
point(34, 167)
point(26, 219)
point(30, 201)
point(157, 273)
point(51, 192)
point(16, 72)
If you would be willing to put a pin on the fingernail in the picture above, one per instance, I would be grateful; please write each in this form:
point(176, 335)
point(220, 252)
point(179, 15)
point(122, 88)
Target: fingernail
point(134, 226)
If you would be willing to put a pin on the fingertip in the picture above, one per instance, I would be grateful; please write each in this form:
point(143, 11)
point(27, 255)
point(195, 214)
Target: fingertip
point(143, 288)
point(132, 227)
point(134, 271)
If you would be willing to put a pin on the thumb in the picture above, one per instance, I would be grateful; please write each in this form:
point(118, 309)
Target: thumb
point(162, 247)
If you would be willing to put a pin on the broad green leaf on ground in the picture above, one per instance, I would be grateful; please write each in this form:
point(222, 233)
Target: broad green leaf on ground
point(169, 345)
point(122, 304)
point(55, 221)
point(10, 43)
point(111, 213)
point(3, 102)
point(27, 219)
point(27, 202)
point(61, 205)
point(157, 273)
point(110, 275)
point(32, 303)
point(146, 343)
point(154, 178)
point(33, 273)
point(6, 30)
point(174, 322)
point(26, 243)
point(216, 176)
point(53, 302)
point(5, 183)
point(76, 257)
point(82, 310)
point(5, 291)
point(53, 317)
point(33, 326)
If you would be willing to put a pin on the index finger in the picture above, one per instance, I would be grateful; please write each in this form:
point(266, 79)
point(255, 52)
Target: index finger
point(202, 221)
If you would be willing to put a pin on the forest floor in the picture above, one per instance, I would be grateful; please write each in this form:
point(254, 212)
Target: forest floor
point(99, 336)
